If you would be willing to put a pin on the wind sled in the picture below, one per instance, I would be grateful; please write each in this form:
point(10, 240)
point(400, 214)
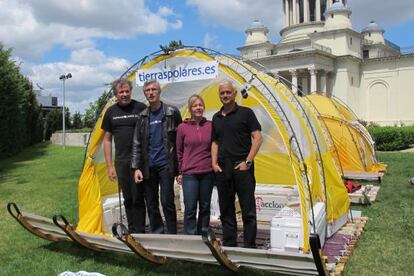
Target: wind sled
point(302, 203)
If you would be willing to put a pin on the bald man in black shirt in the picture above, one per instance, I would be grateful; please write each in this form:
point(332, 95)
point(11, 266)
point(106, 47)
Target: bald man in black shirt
point(236, 137)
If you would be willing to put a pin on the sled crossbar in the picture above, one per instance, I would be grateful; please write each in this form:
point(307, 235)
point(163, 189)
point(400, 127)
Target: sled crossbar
point(366, 176)
point(366, 195)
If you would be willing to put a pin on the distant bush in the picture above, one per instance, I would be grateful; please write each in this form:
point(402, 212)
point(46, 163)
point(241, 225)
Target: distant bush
point(392, 138)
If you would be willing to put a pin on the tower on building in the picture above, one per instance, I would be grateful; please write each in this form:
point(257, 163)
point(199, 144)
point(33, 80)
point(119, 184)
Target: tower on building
point(256, 33)
point(374, 33)
point(337, 17)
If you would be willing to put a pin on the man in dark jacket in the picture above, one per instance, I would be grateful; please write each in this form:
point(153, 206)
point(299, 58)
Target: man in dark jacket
point(119, 122)
point(154, 157)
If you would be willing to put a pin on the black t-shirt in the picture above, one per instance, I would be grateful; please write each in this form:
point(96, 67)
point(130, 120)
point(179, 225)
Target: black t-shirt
point(233, 132)
point(120, 121)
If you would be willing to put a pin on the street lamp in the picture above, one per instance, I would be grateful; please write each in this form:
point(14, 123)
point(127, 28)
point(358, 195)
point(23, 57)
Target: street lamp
point(63, 78)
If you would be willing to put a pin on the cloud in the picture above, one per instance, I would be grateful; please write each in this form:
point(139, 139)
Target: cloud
point(211, 41)
point(386, 14)
point(34, 27)
point(91, 72)
point(239, 14)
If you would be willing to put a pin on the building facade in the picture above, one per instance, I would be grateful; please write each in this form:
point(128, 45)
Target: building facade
point(320, 52)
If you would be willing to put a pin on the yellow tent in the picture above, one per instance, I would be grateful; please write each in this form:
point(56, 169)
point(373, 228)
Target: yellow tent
point(294, 152)
point(352, 146)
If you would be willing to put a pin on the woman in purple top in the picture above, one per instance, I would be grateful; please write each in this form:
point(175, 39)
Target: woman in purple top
point(194, 164)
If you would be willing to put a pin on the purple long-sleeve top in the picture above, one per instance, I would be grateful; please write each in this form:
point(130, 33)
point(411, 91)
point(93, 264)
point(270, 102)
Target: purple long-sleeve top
point(194, 147)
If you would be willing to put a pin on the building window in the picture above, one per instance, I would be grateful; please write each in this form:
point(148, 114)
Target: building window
point(369, 34)
point(332, 16)
point(350, 40)
point(365, 53)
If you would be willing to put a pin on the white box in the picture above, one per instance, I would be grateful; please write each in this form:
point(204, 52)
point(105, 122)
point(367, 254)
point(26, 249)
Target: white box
point(286, 232)
point(111, 212)
point(334, 227)
point(214, 205)
point(320, 221)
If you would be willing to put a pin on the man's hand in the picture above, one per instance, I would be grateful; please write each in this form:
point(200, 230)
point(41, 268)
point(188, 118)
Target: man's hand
point(242, 166)
point(138, 176)
point(179, 179)
point(216, 168)
point(111, 173)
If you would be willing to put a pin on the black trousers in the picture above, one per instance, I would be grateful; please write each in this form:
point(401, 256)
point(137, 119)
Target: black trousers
point(229, 183)
point(133, 197)
point(160, 177)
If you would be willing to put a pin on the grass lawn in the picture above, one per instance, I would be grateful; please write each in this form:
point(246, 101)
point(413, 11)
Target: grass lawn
point(43, 179)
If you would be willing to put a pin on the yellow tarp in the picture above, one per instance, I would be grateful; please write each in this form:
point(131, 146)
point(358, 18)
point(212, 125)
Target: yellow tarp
point(352, 146)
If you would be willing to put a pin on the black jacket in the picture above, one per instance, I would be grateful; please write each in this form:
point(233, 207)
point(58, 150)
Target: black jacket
point(140, 145)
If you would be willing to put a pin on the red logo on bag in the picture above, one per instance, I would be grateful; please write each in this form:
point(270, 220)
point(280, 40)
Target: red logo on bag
point(259, 203)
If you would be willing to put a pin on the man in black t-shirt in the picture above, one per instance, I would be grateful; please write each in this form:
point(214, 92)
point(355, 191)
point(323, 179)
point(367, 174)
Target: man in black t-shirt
point(119, 122)
point(236, 137)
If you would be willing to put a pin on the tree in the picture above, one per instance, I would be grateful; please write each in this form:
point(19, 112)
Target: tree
point(94, 110)
point(20, 124)
point(77, 121)
point(172, 46)
point(54, 121)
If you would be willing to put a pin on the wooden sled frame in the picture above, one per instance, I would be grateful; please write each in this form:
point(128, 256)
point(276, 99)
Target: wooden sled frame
point(214, 245)
point(23, 220)
point(135, 245)
point(71, 232)
point(129, 243)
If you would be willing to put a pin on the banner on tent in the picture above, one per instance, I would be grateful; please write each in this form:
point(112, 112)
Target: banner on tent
point(178, 72)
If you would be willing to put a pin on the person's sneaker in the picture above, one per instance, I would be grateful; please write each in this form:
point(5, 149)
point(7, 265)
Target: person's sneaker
point(411, 181)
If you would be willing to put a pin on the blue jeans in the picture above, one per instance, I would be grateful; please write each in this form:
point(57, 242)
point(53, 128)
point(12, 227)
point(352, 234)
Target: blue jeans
point(197, 189)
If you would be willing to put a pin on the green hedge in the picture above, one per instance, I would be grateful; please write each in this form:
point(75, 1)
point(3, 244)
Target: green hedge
point(20, 115)
point(392, 137)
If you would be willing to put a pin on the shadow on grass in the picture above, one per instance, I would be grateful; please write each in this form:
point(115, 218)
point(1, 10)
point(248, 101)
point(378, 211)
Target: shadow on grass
point(28, 154)
point(140, 266)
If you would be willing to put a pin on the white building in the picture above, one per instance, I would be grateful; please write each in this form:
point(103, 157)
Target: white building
point(319, 52)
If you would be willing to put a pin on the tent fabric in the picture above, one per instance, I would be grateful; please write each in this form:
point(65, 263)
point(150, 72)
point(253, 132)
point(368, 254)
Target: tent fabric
point(352, 145)
point(294, 151)
point(94, 183)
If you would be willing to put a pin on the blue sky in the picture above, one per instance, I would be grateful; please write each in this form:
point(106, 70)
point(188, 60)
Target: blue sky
point(96, 40)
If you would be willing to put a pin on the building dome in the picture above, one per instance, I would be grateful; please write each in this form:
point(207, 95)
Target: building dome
point(372, 27)
point(337, 7)
point(257, 26)
point(256, 33)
